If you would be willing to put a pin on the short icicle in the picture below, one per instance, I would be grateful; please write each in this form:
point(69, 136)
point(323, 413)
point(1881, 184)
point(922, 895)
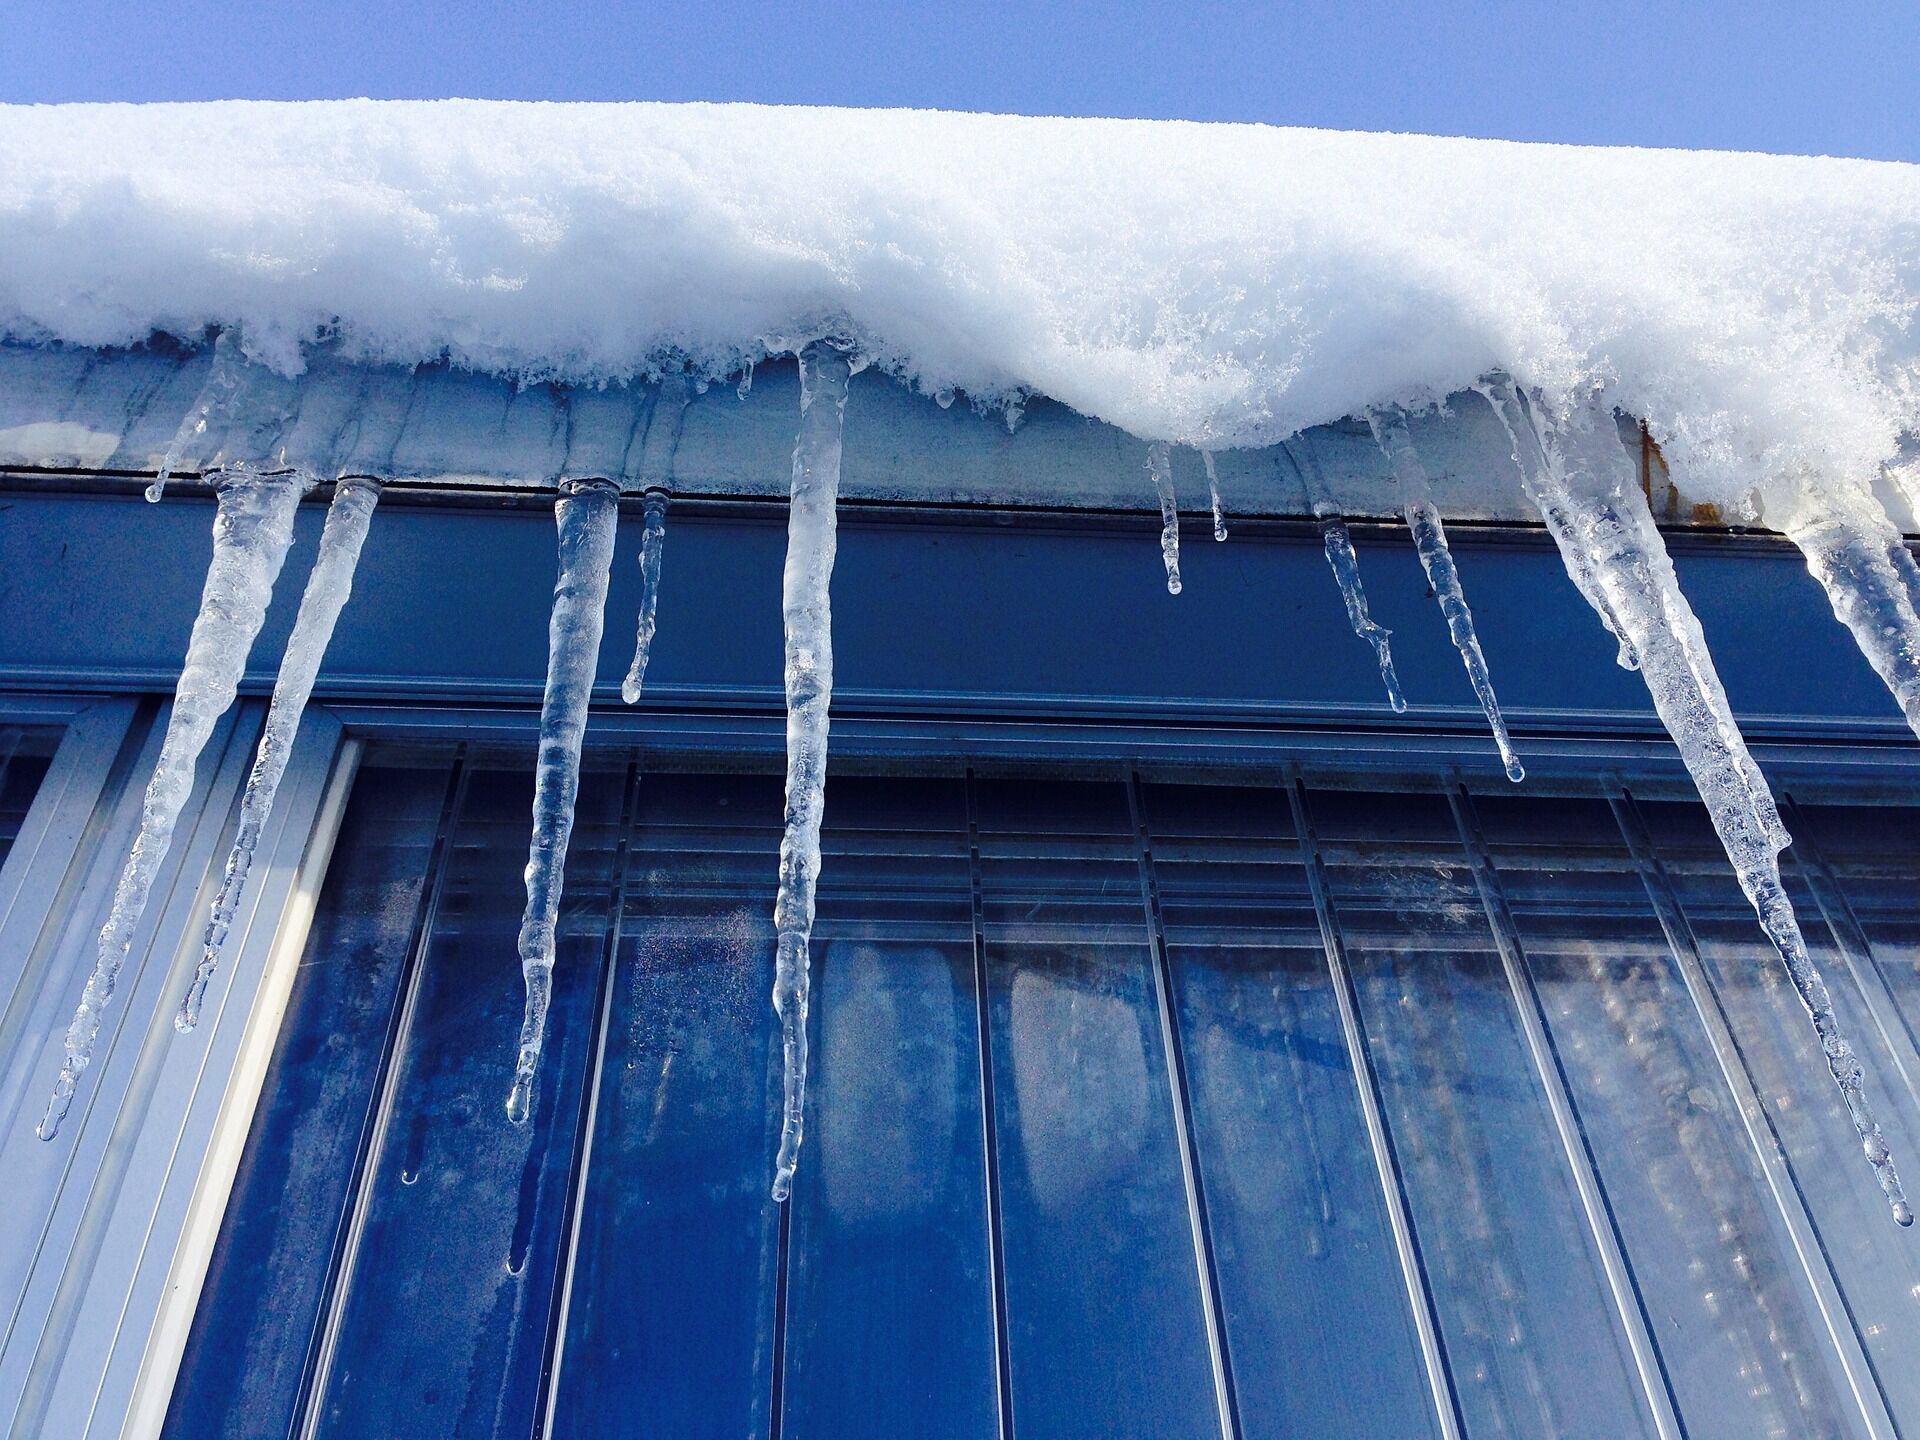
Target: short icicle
point(1345, 565)
point(328, 586)
point(252, 528)
point(586, 515)
point(1213, 495)
point(1853, 548)
point(1430, 542)
point(1575, 471)
point(219, 394)
point(806, 606)
point(653, 541)
point(1160, 470)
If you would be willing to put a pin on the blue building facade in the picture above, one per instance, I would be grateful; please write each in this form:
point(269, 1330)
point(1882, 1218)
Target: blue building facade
point(1202, 1048)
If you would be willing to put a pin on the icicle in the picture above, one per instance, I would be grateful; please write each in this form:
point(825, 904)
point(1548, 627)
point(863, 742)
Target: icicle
point(219, 394)
point(1430, 542)
point(1160, 469)
point(1213, 496)
point(1853, 548)
point(652, 541)
point(806, 605)
point(1346, 567)
point(1577, 472)
point(586, 515)
point(326, 595)
point(1580, 570)
point(251, 531)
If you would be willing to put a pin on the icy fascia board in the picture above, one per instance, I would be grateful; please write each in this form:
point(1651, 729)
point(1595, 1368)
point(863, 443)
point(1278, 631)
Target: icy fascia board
point(66, 409)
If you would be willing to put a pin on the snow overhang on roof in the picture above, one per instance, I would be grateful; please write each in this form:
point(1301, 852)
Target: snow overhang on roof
point(1212, 286)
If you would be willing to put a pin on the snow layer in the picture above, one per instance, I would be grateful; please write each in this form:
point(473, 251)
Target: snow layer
point(1213, 285)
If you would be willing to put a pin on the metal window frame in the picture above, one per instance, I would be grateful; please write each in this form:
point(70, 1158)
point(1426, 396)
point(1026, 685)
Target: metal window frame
point(114, 1220)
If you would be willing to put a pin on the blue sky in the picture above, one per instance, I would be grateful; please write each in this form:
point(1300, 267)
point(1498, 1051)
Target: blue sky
point(1802, 78)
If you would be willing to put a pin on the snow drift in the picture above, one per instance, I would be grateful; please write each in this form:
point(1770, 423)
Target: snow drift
point(1212, 285)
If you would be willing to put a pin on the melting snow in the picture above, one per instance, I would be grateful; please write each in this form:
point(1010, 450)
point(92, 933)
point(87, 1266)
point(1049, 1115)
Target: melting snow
point(1213, 285)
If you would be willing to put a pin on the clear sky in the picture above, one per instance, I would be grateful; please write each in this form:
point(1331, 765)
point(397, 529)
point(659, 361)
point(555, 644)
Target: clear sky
point(1805, 77)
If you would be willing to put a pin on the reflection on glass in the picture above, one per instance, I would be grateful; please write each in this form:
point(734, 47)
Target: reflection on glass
point(1316, 1308)
point(1730, 1314)
point(443, 1328)
point(1532, 1338)
point(1876, 1265)
point(669, 1322)
point(1107, 1321)
point(889, 1295)
point(265, 1288)
point(634, 1275)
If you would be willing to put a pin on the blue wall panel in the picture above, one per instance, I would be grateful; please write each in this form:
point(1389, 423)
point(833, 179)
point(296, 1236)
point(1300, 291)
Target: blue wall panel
point(962, 614)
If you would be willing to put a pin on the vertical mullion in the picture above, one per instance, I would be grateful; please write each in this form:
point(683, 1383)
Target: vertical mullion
point(782, 1270)
point(1768, 1149)
point(352, 1226)
point(1850, 936)
point(1203, 1256)
point(989, 1126)
point(1602, 1224)
point(1406, 1241)
point(589, 1110)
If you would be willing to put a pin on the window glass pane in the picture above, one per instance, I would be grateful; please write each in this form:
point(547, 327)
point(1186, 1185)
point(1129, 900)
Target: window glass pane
point(1876, 1265)
point(445, 1318)
point(1531, 1334)
point(1871, 851)
point(1107, 1323)
point(1724, 1297)
point(670, 1316)
point(246, 1356)
point(890, 1296)
point(1317, 1314)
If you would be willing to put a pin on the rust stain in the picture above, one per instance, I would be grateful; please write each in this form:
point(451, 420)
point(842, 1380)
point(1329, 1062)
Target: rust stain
point(1663, 496)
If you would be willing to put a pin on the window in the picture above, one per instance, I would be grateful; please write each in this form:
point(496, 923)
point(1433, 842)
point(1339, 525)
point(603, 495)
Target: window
point(1139, 1107)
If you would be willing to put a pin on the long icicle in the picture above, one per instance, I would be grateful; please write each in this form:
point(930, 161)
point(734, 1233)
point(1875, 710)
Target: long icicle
point(1430, 542)
point(252, 528)
point(328, 586)
point(1160, 471)
point(653, 541)
point(219, 394)
point(1576, 473)
point(1853, 548)
point(1213, 495)
point(806, 606)
point(1345, 565)
point(586, 515)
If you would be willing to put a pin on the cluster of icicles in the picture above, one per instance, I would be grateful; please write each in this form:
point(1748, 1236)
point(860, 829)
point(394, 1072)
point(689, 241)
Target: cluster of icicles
point(1571, 465)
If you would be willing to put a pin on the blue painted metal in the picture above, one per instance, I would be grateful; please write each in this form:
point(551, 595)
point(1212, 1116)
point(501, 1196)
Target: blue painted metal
point(957, 613)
